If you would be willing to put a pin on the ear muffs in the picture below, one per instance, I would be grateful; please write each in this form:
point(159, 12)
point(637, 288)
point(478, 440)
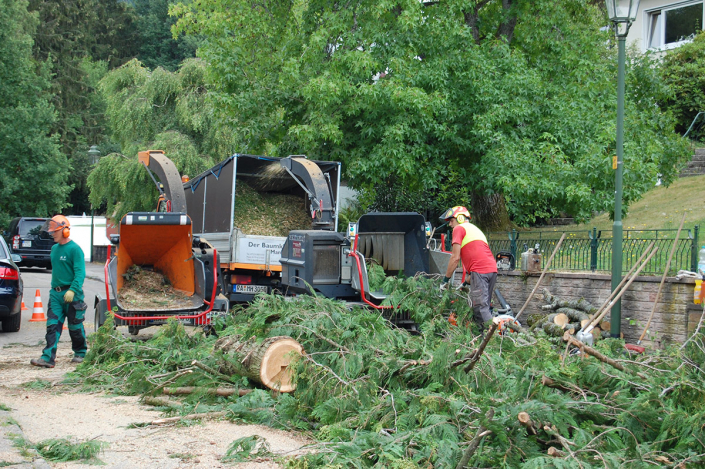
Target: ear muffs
point(66, 232)
point(461, 219)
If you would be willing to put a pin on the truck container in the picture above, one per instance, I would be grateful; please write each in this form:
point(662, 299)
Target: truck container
point(250, 261)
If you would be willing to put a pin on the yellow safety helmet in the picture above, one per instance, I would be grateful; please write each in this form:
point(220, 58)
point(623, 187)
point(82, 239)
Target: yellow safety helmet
point(458, 212)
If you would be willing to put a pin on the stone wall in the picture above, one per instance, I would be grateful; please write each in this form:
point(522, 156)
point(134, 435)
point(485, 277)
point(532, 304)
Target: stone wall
point(676, 316)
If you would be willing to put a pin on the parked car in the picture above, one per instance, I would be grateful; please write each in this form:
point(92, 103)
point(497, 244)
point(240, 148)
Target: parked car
point(10, 290)
point(26, 238)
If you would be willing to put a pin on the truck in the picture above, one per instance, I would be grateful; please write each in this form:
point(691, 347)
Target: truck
point(238, 264)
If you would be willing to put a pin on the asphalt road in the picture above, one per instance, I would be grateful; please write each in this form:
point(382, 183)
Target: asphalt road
point(32, 333)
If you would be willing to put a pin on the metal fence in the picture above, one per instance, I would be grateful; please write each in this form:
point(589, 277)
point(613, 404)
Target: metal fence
point(592, 250)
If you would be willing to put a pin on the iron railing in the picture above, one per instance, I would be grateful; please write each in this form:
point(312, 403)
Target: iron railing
point(592, 250)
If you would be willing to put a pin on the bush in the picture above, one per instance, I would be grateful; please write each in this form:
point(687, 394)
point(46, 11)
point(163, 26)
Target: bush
point(683, 71)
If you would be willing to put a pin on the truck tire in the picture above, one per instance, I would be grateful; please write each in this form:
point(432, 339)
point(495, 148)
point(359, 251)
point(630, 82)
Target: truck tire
point(12, 323)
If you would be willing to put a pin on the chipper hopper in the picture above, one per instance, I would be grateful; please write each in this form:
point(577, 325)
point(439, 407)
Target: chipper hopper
point(161, 243)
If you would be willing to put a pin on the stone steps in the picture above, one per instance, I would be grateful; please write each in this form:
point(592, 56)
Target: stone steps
point(696, 166)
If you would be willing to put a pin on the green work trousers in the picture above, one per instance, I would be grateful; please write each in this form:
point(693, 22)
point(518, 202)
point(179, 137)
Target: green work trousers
point(58, 312)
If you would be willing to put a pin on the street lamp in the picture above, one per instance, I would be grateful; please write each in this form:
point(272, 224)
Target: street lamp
point(93, 157)
point(622, 14)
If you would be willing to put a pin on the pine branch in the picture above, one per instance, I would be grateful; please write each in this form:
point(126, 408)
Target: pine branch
point(481, 432)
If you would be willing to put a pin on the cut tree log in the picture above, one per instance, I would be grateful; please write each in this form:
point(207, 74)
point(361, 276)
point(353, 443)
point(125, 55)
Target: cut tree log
point(526, 422)
point(555, 452)
point(596, 333)
point(556, 303)
point(560, 319)
point(605, 325)
point(266, 363)
point(552, 329)
point(603, 358)
point(575, 315)
point(534, 319)
point(224, 392)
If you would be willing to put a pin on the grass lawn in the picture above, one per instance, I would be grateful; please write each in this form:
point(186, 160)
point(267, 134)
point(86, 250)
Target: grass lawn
point(660, 208)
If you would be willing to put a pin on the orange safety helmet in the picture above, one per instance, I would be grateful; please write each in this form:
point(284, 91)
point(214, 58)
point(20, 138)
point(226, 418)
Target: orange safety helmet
point(56, 223)
point(458, 212)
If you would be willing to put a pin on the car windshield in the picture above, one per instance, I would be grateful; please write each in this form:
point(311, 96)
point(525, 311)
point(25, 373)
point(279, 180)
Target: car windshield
point(31, 227)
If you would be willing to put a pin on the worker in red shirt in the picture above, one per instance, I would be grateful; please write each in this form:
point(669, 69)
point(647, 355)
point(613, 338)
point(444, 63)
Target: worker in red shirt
point(470, 246)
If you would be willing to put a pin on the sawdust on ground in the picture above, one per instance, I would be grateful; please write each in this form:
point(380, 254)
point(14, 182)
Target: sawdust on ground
point(59, 411)
point(269, 213)
point(148, 289)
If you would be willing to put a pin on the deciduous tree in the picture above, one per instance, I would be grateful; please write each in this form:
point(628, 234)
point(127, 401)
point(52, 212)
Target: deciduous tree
point(510, 102)
point(33, 172)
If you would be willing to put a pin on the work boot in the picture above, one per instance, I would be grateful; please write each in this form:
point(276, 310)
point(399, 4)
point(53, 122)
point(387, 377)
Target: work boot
point(77, 360)
point(40, 362)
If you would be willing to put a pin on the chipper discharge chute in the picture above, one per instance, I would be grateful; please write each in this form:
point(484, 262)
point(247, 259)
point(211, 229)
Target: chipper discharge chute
point(159, 272)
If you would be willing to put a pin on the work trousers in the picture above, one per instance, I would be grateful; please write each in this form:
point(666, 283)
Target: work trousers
point(481, 290)
point(57, 313)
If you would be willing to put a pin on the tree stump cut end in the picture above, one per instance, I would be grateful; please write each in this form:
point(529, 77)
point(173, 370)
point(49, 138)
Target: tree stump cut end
point(274, 369)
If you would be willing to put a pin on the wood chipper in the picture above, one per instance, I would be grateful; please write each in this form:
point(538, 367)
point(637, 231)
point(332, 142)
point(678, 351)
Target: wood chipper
point(160, 243)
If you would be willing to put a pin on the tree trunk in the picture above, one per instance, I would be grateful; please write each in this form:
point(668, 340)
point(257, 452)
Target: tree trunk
point(490, 212)
point(266, 363)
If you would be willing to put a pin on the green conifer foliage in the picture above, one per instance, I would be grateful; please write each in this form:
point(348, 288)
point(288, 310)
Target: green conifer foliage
point(377, 396)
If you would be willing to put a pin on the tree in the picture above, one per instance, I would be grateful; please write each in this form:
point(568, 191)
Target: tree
point(33, 172)
point(158, 109)
point(157, 46)
point(81, 38)
point(509, 103)
point(683, 71)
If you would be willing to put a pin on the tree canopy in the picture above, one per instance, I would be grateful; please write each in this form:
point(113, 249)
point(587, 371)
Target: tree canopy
point(156, 109)
point(33, 172)
point(494, 101)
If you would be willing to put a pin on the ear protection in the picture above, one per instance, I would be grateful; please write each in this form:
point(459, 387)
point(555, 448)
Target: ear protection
point(461, 219)
point(66, 232)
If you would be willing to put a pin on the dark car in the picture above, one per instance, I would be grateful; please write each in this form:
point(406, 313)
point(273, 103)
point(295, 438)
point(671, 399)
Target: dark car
point(10, 290)
point(26, 238)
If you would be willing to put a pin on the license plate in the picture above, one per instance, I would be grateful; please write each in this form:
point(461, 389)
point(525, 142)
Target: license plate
point(26, 244)
point(250, 289)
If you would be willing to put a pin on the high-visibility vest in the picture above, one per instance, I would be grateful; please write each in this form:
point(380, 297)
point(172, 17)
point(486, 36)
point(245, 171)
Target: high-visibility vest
point(472, 233)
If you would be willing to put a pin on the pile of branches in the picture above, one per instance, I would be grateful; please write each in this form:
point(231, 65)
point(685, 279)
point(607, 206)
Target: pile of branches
point(374, 395)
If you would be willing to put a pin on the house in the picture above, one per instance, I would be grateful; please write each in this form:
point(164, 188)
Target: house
point(665, 24)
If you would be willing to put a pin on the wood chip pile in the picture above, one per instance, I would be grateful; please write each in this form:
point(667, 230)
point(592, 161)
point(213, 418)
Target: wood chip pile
point(147, 289)
point(269, 213)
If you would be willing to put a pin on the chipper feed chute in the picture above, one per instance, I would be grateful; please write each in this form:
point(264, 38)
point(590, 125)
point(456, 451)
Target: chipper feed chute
point(397, 241)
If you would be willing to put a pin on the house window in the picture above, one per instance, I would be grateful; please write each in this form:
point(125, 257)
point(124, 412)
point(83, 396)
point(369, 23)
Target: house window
point(670, 26)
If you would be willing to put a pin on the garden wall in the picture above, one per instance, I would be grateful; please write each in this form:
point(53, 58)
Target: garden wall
point(676, 316)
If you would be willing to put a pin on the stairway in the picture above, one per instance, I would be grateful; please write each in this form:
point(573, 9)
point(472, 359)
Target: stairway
point(696, 166)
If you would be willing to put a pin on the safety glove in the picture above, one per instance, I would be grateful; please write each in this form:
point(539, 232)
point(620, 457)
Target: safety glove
point(444, 284)
point(68, 296)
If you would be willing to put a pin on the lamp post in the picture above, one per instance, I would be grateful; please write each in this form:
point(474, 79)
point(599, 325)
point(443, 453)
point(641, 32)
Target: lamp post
point(622, 14)
point(93, 157)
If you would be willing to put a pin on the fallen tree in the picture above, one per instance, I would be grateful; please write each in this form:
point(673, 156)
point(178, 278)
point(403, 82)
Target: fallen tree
point(374, 395)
